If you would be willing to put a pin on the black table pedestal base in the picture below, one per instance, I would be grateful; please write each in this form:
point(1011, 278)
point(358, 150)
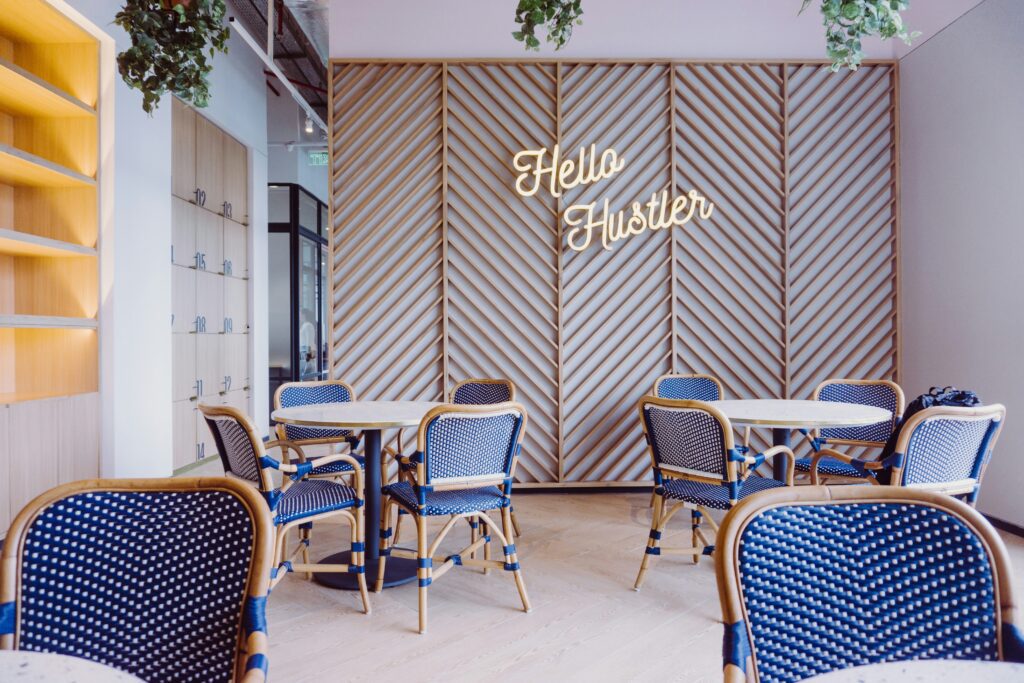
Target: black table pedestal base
point(397, 571)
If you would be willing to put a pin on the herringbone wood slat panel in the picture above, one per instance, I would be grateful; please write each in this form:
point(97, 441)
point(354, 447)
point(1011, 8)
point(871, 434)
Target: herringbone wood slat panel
point(440, 266)
point(386, 187)
point(503, 248)
point(617, 331)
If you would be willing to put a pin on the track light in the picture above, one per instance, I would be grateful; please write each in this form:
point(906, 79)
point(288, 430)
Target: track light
point(309, 126)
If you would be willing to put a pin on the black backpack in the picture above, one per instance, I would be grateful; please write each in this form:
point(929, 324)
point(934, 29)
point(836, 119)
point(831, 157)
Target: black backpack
point(945, 396)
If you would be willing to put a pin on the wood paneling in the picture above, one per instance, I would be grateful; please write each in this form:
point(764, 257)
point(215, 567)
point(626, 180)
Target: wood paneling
point(183, 151)
point(442, 271)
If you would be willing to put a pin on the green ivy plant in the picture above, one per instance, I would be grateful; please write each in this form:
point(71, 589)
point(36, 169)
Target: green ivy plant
point(848, 21)
point(173, 43)
point(559, 16)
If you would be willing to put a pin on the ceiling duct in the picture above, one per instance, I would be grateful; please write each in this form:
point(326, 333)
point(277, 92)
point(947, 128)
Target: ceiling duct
point(296, 51)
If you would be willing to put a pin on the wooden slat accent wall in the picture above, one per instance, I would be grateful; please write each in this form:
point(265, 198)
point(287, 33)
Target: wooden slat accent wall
point(440, 271)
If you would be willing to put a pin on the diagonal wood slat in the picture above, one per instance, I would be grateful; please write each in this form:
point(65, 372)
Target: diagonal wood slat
point(441, 271)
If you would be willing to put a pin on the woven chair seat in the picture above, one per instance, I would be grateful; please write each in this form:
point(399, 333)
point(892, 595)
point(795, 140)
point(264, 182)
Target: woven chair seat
point(714, 496)
point(448, 502)
point(334, 467)
point(830, 467)
point(312, 497)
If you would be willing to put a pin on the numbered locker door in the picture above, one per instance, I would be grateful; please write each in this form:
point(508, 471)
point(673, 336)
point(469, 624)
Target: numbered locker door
point(236, 249)
point(235, 361)
point(236, 305)
point(183, 364)
point(210, 303)
point(183, 233)
point(210, 165)
point(183, 300)
point(239, 400)
point(236, 180)
point(183, 153)
point(209, 242)
point(210, 377)
point(184, 415)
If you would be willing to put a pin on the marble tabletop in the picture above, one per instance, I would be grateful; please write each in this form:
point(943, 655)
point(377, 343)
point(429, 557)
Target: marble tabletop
point(23, 666)
point(781, 413)
point(926, 671)
point(356, 414)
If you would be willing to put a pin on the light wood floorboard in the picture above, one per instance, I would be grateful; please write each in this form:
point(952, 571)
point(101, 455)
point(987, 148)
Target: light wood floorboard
point(579, 552)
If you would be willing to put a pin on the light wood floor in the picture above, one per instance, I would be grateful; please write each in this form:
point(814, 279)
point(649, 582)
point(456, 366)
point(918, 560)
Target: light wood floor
point(580, 553)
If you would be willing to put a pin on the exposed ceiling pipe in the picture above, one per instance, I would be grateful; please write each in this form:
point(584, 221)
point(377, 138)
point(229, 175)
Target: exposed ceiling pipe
point(301, 84)
point(310, 112)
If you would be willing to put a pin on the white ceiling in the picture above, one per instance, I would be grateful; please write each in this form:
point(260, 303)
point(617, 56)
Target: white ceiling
point(701, 29)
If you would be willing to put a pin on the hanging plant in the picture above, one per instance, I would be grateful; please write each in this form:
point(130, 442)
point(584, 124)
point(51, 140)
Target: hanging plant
point(173, 43)
point(559, 16)
point(848, 21)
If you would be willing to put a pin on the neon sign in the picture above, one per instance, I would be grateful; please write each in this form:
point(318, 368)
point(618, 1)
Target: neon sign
point(587, 220)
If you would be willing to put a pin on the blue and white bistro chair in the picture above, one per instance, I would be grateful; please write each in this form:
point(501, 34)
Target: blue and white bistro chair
point(696, 467)
point(465, 462)
point(688, 388)
point(298, 501)
point(291, 394)
point(944, 449)
point(818, 578)
point(165, 579)
point(833, 465)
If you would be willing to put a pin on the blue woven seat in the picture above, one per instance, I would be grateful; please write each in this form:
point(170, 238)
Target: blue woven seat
point(690, 443)
point(714, 496)
point(463, 468)
point(831, 467)
point(313, 497)
point(164, 579)
point(298, 498)
point(447, 502)
point(851, 575)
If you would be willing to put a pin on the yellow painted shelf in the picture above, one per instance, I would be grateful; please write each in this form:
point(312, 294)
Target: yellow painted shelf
point(24, 94)
point(36, 21)
point(23, 169)
point(46, 321)
point(25, 244)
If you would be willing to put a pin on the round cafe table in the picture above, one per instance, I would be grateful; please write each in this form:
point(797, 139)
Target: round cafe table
point(25, 666)
point(926, 671)
point(371, 417)
point(782, 416)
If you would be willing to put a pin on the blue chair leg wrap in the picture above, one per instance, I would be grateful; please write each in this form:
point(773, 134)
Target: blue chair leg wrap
point(509, 549)
point(358, 547)
point(425, 562)
point(401, 512)
point(305, 542)
point(384, 552)
point(306, 525)
point(708, 550)
point(487, 538)
point(356, 569)
point(511, 566)
point(286, 566)
point(7, 617)
point(473, 524)
point(736, 645)
point(425, 582)
point(386, 533)
point(653, 551)
point(258, 661)
point(655, 535)
point(454, 559)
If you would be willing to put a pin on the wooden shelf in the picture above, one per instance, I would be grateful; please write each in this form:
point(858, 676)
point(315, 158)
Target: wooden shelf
point(27, 170)
point(36, 21)
point(47, 321)
point(24, 94)
point(26, 244)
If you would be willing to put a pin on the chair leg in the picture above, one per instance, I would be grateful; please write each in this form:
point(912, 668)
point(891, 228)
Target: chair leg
point(358, 557)
point(511, 558)
point(385, 532)
point(474, 527)
point(653, 540)
point(515, 521)
point(398, 525)
point(695, 519)
point(306, 535)
point(423, 572)
point(486, 530)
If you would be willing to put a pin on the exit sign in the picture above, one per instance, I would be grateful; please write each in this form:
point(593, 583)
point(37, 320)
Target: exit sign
point(318, 158)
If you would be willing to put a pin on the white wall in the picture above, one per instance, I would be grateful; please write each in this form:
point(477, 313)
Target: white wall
point(697, 29)
point(962, 108)
point(285, 121)
point(135, 339)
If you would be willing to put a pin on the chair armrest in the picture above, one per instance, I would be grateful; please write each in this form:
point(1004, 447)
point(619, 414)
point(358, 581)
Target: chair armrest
point(790, 460)
point(284, 445)
point(867, 465)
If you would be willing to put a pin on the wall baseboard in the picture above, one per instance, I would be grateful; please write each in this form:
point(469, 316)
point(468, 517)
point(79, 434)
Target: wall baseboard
point(1008, 527)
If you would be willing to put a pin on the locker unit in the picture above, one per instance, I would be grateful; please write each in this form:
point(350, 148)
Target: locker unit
point(210, 287)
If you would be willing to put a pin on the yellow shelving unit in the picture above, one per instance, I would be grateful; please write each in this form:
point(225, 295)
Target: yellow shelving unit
point(49, 262)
